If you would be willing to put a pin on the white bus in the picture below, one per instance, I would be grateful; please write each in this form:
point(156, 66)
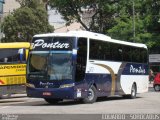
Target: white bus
point(85, 65)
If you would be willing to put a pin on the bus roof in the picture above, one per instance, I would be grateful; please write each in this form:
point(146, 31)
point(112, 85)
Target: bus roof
point(15, 45)
point(91, 35)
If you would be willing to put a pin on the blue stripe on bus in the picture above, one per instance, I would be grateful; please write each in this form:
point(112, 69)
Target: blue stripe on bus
point(40, 52)
point(51, 52)
point(60, 51)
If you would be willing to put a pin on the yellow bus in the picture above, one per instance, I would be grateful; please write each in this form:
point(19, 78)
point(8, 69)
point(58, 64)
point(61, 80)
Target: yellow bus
point(13, 58)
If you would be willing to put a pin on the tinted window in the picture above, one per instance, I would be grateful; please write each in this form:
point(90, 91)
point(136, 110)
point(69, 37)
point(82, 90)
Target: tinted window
point(144, 56)
point(101, 50)
point(117, 52)
point(81, 59)
point(12, 55)
point(95, 49)
point(135, 55)
point(127, 56)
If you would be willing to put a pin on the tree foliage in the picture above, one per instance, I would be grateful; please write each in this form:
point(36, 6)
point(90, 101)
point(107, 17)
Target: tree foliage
point(147, 27)
point(72, 10)
point(115, 17)
point(31, 18)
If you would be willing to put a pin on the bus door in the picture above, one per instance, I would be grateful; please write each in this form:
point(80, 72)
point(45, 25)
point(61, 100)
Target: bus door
point(80, 71)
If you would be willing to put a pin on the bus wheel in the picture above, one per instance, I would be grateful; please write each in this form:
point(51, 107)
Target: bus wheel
point(133, 91)
point(52, 101)
point(5, 96)
point(157, 87)
point(92, 95)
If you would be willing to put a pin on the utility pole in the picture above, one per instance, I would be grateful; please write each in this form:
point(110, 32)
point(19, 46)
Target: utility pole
point(133, 10)
point(1, 15)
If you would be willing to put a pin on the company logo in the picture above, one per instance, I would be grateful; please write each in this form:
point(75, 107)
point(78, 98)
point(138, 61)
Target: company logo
point(40, 42)
point(13, 67)
point(45, 84)
point(139, 70)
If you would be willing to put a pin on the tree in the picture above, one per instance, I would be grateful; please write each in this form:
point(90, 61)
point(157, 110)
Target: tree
point(26, 21)
point(73, 10)
point(146, 19)
point(115, 18)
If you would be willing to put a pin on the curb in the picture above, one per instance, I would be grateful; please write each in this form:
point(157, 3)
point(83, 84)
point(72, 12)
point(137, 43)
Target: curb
point(18, 95)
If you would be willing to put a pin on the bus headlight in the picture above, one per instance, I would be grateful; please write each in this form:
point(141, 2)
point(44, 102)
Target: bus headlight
point(30, 85)
point(67, 85)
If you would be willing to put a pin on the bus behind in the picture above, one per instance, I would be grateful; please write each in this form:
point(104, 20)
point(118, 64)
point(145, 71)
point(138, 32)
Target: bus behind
point(13, 58)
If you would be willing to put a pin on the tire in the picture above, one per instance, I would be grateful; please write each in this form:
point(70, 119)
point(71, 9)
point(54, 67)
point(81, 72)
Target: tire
point(6, 96)
point(157, 88)
point(92, 95)
point(133, 92)
point(52, 101)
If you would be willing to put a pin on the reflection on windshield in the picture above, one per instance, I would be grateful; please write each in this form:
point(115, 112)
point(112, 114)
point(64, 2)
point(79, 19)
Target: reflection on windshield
point(38, 62)
point(60, 66)
point(53, 66)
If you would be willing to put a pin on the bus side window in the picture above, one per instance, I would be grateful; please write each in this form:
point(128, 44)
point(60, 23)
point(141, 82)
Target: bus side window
point(81, 59)
point(127, 54)
point(6, 55)
point(5, 60)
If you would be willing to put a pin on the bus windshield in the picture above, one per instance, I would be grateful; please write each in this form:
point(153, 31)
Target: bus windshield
point(53, 66)
point(38, 62)
point(51, 58)
point(60, 66)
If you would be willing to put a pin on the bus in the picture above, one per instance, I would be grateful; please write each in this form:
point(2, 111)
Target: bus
point(82, 65)
point(13, 58)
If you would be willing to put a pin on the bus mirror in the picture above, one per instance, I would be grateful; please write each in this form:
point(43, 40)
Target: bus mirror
point(31, 47)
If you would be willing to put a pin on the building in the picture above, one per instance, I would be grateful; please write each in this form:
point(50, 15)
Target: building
point(154, 59)
point(72, 27)
point(1, 6)
point(10, 6)
point(6, 7)
point(55, 19)
point(1, 17)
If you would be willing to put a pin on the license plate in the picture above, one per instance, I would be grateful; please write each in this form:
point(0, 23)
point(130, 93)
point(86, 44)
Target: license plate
point(47, 93)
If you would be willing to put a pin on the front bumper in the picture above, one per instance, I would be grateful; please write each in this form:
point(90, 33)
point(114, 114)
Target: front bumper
point(56, 93)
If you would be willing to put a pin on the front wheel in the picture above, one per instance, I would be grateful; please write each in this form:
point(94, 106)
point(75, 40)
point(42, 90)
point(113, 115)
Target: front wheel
point(52, 101)
point(157, 87)
point(92, 95)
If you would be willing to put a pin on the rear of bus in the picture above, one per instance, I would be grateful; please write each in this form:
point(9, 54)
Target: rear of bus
point(13, 57)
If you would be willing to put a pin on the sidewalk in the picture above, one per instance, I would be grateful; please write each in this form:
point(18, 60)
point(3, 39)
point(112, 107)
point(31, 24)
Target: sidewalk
point(18, 95)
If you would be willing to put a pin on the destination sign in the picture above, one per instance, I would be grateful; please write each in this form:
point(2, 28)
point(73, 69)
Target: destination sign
point(57, 43)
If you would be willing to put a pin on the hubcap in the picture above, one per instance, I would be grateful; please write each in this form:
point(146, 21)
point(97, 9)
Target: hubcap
point(157, 87)
point(133, 91)
point(90, 94)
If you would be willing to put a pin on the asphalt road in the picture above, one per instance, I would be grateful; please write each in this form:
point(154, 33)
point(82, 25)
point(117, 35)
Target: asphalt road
point(144, 103)
point(20, 107)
